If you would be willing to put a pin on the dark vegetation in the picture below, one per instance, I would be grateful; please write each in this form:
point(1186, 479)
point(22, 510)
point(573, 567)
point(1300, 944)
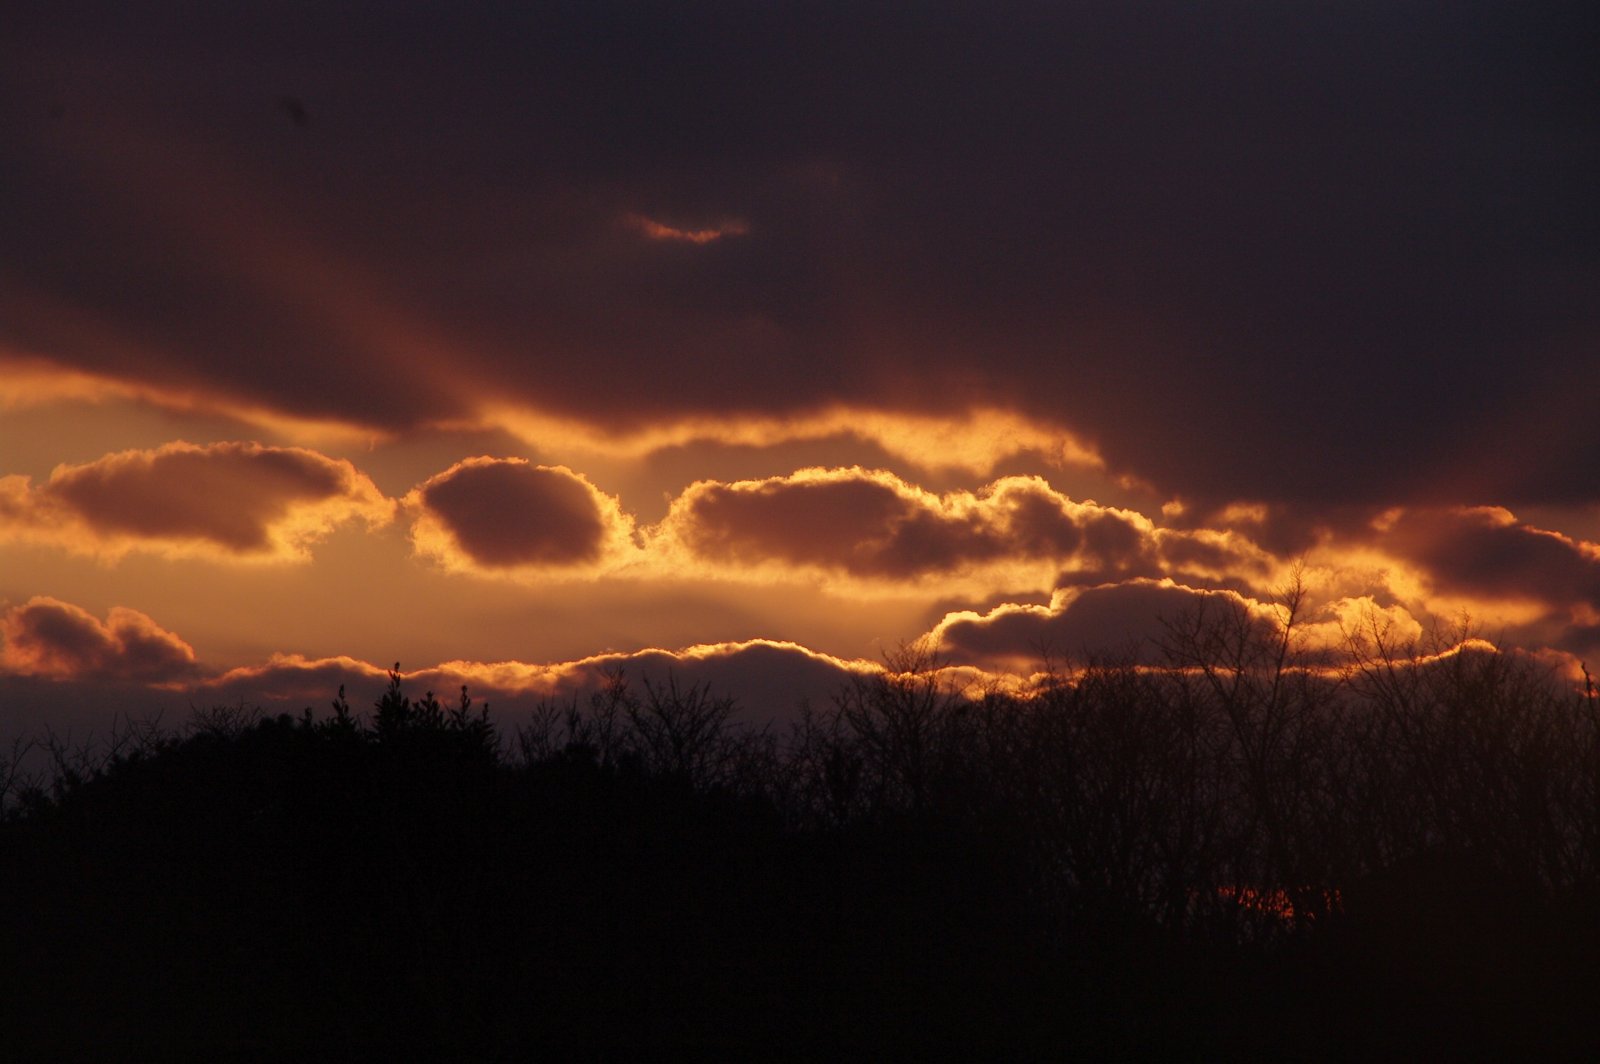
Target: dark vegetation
point(1237, 855)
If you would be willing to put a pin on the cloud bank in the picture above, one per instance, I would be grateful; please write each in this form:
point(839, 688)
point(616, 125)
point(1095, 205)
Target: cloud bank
point(767, 679)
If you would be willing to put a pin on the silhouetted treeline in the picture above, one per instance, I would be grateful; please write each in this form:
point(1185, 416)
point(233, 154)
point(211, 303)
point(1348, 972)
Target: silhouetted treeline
point(1242, 853)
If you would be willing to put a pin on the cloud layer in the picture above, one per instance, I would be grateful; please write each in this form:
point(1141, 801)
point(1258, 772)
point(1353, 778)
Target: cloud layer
point(849, 530)
point(1242, 250)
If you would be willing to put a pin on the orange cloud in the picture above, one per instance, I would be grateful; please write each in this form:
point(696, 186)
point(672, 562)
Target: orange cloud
point(1485, 550)
point(1335, 626)
point(655, 230)
point(242, 501)
point(1214, 556)
point(872, 526)
point(508, 515)
point(49, 638)
point(1528, 585)
point(972, 441)
point(1133, 622)
point(28, 381)
point(757, 671)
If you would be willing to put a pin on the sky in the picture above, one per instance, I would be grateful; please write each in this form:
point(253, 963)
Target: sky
point(747, 343)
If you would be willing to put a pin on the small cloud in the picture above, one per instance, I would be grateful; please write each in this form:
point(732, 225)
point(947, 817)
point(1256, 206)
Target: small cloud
point(56, 640)
point(654, 230)
point(505, 514)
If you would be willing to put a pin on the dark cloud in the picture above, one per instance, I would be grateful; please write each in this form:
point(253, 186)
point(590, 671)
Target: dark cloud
point(873, 525)
point(502, 513)
point(1286, 529)
point(46, 637)
point(1124, 622)
point(1251, 250)
point(1486, 552)
point(229, 494)
point(240, 499)
point(846, 520)
point(1581, 640)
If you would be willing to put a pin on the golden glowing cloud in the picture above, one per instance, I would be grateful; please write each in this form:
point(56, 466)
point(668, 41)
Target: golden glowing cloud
point(1137, 621)
point(971, 442)
point(49, 638)
point(861, 528)
point(563, 677)
point(1333, 627)
point(31, 382)
point(507, 515)
point(233, 501)
point(1447, 562)
point(1122, 621)
point(1217, 556)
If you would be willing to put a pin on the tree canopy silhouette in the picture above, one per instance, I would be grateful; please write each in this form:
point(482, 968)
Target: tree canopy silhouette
point(1243, 852)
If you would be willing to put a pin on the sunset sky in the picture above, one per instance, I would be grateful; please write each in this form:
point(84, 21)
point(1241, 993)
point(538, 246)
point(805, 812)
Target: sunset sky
point(517, 341)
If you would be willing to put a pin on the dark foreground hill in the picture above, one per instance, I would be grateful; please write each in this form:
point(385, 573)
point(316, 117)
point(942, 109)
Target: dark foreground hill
point(1196, 864)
